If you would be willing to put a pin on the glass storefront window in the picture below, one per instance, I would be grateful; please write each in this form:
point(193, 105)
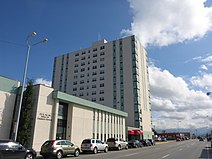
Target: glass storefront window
point(62, 121)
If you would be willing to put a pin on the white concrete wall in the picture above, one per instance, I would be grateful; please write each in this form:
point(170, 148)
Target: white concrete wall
point(43, 116)
point(7, 104)
point(82, 124)
point(80, 121)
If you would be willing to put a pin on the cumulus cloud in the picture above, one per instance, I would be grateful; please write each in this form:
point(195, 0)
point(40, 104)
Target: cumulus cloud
point(204, 81)
point(43, 81)
point(166, 22)
point(173, 100)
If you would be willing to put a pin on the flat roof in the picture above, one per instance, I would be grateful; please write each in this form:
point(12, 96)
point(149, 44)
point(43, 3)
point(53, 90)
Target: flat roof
point(85, 103)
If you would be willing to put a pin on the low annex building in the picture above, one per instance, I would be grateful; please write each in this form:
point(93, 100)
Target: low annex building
point(57, 115)
point(8, 91)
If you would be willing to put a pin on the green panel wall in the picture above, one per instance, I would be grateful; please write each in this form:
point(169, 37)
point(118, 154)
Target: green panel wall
point(69, 98)
point(8, 85)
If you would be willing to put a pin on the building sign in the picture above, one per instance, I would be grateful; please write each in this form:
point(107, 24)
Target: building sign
point(44, 116)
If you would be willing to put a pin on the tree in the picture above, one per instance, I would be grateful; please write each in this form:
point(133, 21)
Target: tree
point(25, 126)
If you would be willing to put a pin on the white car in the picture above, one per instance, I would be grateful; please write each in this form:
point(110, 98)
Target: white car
point(117, 143)
point(93, 145)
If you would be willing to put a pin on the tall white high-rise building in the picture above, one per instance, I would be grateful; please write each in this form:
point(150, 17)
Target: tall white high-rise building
point(114, 74)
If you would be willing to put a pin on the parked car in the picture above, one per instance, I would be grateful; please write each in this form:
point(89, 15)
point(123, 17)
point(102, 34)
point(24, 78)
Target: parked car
point(93, 145)
point(187, 138)
point(178, 139)
point(146, 142)
point(163, 139)
point(59, 149)
point(14, 150)
point(201, 139)
point(135, 143)
point(158, 139)
point(117, 143)
point(152, 141)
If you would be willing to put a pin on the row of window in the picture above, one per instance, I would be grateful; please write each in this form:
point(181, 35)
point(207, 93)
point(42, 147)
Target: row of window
point(93, 73)
point(81, 94)
point(94, 67)
point(94, 61)
point(120, 42)
point(93, 92)
point(94, 50)
point(93, 86)
point(93, 79)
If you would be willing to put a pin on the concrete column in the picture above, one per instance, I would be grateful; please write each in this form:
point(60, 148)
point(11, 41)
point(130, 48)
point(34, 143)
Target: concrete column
point(100, 124)
point(112, 125)
point(69, 122)
point(103, 126)
point(106, 130)
point(95, 124)
point(123, 128)
point(118, 126)
point(109, 125)
point(54, 120)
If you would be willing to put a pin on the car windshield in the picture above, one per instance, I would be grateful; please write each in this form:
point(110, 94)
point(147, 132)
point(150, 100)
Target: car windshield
point(86, 141)
point(111, 140)
point(48, 143)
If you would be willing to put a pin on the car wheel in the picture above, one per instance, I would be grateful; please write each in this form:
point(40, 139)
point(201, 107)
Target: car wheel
point(77, 152)
point(95, 150)
point(29, 156)
point(126, 147)
point(119, 147)
point(106, 149)
point(59, 154)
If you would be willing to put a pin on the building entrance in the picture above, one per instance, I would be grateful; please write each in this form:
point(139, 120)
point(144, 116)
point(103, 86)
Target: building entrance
point(62, 121)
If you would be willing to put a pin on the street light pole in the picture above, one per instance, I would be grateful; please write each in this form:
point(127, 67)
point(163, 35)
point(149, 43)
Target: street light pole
point(24, 79)
point(178, 127)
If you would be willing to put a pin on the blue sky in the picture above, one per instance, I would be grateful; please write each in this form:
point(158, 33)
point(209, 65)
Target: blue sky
point(177, 35)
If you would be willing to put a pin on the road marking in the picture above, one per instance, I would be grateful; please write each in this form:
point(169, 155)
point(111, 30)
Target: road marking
point(131, 154)
point(166, 156)
point(180, 149)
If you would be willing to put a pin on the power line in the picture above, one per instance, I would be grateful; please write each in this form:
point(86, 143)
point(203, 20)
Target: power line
point(12, 43)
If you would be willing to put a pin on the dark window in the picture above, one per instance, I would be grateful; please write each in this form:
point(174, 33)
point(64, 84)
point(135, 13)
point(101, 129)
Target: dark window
point(62, 121)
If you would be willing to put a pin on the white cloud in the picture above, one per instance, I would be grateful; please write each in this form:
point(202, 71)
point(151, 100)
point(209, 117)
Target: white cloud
point(203, 67)
point(165, 84)
point(207, 59)
point(173, 100)
point(43, 81)
point(166, 22)
point(203, 59)
point(204, 81)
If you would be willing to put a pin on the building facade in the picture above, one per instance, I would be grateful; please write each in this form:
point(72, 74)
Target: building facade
point(114, 74)
point(58, 115)
point(62, 116)
point(8, 91)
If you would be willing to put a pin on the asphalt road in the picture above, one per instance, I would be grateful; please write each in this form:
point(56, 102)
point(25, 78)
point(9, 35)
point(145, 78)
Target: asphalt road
point(190, 149)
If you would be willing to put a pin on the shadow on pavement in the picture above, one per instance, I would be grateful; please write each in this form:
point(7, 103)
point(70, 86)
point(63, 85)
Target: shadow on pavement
point(206, 153)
